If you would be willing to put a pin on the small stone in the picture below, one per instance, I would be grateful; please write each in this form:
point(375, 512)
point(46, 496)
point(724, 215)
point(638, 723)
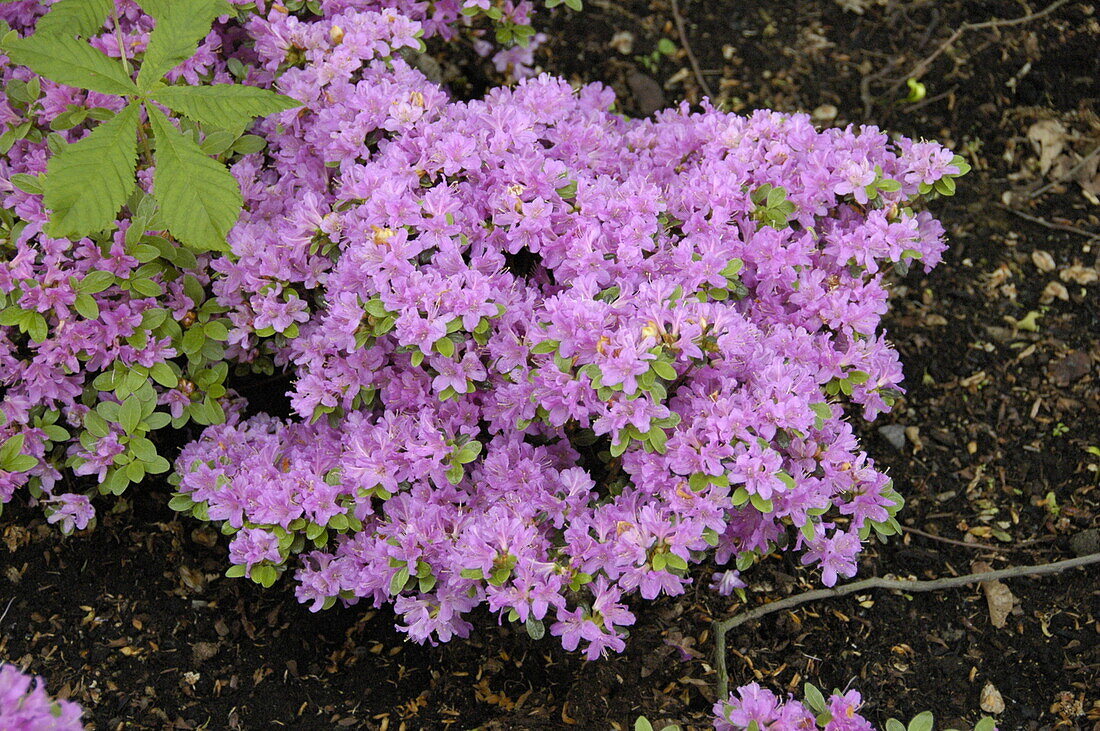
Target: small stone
point(895, 434)
point(647, 93)
point(991, 700)
point(1043, 261)
point(824, 114)
point(1086, 543)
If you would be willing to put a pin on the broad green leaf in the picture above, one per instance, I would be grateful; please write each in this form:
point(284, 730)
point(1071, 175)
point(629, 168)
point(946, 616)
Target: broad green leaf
point(227, 106)
point(70, 61)
point(75, 17)
point(180, 25)
point(88, 181)
point(921, 722)
point(199, 199)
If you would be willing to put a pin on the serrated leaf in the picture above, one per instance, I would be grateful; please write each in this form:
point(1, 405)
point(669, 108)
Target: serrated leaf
point(88, 181)
point(227, 106)
point(75, 17)
point(71, 62)
point(199, 199)
point(180, 25)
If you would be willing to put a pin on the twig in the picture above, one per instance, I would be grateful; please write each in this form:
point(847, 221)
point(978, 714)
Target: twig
point(1049, 224)
point(721, 627)
point(1067, 177)
point(679, 19)
point(922, 66)
point(5, 614)
point(953, 542)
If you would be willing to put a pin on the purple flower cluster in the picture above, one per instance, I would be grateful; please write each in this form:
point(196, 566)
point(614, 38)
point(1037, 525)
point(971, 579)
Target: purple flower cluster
point(24, 705)
point(546, 357)
point(754, 707)
point(90, 326)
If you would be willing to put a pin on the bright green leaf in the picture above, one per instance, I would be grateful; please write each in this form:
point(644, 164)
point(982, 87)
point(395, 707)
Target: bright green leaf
point(227, 106)
point(180, 25)
point(88, 181)
point(71, 62)
point(75, 17)
point(199, 199)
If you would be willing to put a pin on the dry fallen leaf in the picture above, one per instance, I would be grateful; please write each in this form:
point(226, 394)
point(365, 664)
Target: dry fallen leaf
point(997, 595)
point(1048, 137)
point(1080, 274)
point(991, 700)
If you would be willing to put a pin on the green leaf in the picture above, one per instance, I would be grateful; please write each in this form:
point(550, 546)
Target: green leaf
point(163, 374)
point(129, 414)
point(71, 62)
point(75, 17)
point(180, 25)
point(814, 698)
point(199, 199)
point(643, 724)
point(231, 107)
point(95, 282)
point(235, 572)
point(397, 583)
point(922, 722)
point(11, 448)
point(88, 181)
point(86, 305)
point(894, 724)
point(535, 628)
point(22, 463)
point(986, 724)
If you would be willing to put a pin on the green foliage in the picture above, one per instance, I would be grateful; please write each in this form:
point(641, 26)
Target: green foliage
point(89, 181)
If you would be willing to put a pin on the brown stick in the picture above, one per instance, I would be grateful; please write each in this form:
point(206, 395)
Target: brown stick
point(1049, 224)
point(679, 19)
point(722, 626)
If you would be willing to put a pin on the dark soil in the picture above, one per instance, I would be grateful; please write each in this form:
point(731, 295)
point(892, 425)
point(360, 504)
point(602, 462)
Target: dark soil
point(134, 621)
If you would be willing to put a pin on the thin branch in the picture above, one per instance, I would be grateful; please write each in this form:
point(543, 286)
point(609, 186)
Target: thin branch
point(953, 542)
point(922, 66)
point(721, 627)
point(1049, 224)
point(679, 19)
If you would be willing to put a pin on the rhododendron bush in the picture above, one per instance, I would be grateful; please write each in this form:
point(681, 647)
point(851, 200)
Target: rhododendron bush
point(543, 358)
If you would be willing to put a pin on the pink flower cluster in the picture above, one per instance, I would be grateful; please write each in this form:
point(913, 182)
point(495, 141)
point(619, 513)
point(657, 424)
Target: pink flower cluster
point(25, 706)
point(754, 707)
point(86, 323)
point(546, 357)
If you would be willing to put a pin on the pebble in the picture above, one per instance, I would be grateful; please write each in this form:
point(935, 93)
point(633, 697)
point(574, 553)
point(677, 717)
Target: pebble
point(824, 114)
point(1086, 543)
point(895, 434)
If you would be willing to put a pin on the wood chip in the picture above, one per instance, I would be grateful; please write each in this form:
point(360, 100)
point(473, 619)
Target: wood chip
point(998, 597)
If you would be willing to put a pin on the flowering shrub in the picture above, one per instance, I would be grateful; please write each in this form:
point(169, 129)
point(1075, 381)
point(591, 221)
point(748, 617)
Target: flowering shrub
point(24, 705)
point(753, 708)
point(546, 357)
point(108, 332)
point(543, 357)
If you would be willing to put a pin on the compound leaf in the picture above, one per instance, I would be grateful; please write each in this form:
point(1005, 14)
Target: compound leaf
point(199, 199)
point(88, 181)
